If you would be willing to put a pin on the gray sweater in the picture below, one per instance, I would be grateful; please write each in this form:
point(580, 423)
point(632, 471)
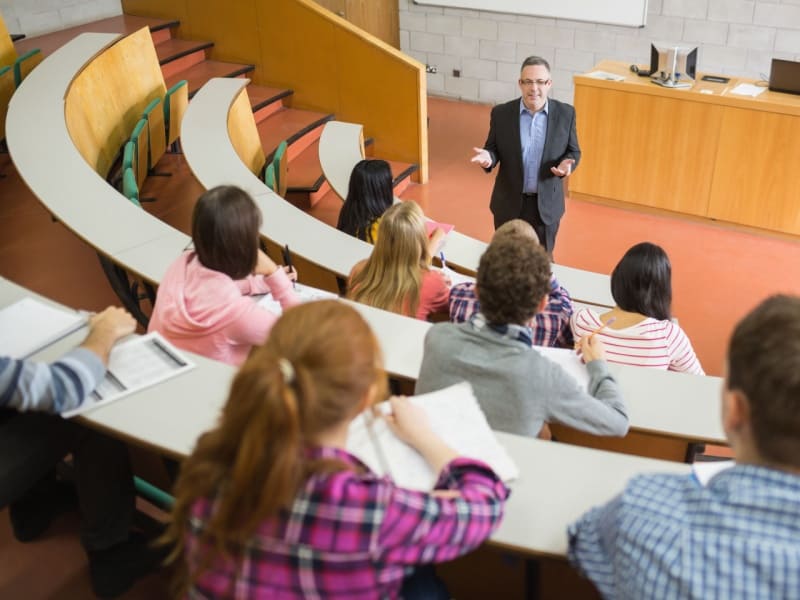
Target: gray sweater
point(518, 388)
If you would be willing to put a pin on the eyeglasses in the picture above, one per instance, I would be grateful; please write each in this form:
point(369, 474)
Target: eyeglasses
point(536, 82)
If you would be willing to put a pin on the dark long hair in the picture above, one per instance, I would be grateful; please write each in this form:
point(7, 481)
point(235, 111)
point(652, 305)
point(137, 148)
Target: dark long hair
point(642, 282)
point(368, 197)
point(225, 231)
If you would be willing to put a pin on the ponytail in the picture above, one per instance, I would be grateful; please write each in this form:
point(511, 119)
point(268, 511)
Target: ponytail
point(312, 374)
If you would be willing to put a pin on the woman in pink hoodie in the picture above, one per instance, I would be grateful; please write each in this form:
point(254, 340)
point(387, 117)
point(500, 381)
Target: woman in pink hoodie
point(203, 302)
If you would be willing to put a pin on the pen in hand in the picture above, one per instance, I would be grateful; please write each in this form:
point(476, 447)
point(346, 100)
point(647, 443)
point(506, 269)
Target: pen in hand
point(287, 260)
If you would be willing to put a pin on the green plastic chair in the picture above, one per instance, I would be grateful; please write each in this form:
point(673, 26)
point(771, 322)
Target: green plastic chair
point(140, 137)
point(156, 135)
point(129, 188)
point(280, 163)
point(129, 156)
point(25, 64)
point(269, 177)
point(175, 103)
point(153, 494)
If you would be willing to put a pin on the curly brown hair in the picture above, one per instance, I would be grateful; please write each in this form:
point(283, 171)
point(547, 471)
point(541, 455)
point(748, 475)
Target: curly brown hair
point(513, 277)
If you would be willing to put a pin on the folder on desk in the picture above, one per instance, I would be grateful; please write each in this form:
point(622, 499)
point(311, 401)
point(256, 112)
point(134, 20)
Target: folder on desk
point(30, 325)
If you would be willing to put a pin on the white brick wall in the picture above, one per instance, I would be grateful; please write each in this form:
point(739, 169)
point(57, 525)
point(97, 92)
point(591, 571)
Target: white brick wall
point(42, 16)
point(735, 37)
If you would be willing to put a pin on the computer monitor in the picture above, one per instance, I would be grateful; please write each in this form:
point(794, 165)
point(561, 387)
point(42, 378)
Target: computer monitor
point(784, 76)
point(673, 65)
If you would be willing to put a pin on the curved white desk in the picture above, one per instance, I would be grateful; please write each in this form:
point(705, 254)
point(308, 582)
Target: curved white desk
point(51, 166)
point(340, 150)
point(683, 406)
point(557, 482)
point(213, 160)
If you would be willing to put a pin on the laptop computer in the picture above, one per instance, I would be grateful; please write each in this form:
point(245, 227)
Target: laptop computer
point(784, 76)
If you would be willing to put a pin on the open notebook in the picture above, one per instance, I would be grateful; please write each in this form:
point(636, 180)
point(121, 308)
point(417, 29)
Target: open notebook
point(455, 415)
point(30, 325)
point(137, 363)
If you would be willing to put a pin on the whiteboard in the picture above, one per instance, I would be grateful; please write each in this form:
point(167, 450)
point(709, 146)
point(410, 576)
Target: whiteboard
point(614, 12)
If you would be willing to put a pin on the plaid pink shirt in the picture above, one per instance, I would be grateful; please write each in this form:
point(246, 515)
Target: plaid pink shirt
point(351, 535)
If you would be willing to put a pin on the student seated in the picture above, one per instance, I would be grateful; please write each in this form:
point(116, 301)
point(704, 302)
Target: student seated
point(638, 330)
point(35, 439)
point(368, 196)
point(550, 326)
point(397, 276)
point(668, 536)
point(518, 389)
point(270, 503)
point(203, 303)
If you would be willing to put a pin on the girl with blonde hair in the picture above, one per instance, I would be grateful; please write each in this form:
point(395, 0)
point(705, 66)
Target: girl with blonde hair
point(271, 505)
point(397, 276)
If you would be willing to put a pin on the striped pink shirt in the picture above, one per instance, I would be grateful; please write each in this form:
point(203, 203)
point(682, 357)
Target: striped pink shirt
point(651, 343)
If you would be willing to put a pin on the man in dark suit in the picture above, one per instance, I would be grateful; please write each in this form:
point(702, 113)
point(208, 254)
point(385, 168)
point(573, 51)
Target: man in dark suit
point(535, 141)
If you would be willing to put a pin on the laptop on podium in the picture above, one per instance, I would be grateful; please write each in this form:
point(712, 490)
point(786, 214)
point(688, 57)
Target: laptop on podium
point(784, 76)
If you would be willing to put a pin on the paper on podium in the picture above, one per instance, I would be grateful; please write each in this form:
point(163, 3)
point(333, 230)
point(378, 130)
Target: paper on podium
point(454, 415)
point(133, 365)
point(29, 325)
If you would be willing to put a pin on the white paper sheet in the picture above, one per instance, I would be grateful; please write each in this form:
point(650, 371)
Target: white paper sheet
point(306, 293)
point(454, 415)
point(29, 325)
point(569, 361)
point(133, 365)
point(747, 89)
point(704, 471)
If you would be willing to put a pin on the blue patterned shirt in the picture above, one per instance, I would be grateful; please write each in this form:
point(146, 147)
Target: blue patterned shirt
point(666, 536)
point(532, 133)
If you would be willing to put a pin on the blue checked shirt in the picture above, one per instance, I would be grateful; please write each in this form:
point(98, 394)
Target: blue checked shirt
point(532, 132)
point(549, 327)
point(666, 536)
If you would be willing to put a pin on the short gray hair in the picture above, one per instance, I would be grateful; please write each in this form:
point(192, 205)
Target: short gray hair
point(533, 61)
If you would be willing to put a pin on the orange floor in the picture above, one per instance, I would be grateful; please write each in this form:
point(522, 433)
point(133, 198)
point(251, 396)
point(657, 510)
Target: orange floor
point(719, 273)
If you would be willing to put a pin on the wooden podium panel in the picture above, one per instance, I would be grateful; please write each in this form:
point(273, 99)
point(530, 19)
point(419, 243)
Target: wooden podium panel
point(654, 150)
point(702, 151)
point(757, 170)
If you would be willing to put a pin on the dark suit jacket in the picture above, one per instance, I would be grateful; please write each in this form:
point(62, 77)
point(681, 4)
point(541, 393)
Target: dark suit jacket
point(505, 147)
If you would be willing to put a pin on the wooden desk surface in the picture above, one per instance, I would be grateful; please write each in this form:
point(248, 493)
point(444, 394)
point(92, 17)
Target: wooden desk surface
point(720, 93)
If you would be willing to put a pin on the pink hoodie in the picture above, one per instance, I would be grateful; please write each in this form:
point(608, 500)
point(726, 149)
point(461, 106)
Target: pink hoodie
point(206, 312)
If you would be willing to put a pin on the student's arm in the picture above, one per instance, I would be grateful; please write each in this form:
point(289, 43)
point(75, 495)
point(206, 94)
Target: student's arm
point(592, 541)
point(435, 292)
point(681, 354)
point(602, 410)
point(258, 282)
point(26, 385)
point(419, 527)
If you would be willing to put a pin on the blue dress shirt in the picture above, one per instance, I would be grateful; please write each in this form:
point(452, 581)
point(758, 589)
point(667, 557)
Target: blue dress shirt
point(532, 132)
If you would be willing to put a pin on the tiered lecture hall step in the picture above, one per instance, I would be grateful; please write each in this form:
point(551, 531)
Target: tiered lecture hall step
point(276, 119)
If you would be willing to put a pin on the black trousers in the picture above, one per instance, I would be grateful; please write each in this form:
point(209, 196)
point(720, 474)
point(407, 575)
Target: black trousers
point(529, 212)
point(31, 444)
